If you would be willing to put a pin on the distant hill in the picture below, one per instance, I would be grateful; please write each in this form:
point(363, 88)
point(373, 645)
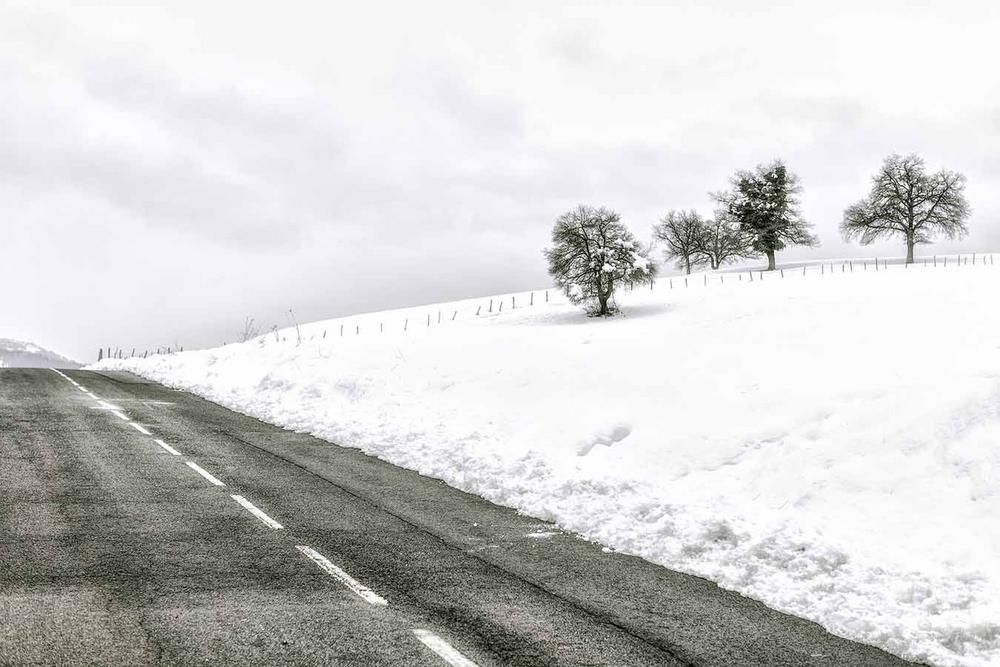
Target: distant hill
point(18, 354)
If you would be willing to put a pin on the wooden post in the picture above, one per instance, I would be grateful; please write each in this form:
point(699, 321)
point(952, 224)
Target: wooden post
point(685, 281)
point(513, 302)
point(439, 317)
point(803, 270)
point(546, 296)
point(406, 323)
point(531, 302)
point(782, 273)
point(100, 353)
point(491, 305)
point(381, 329)
point(500, 309)
point(145, 353)
point(706, 279)
point(454, 315)
point(478, 308)
point(341, 330)
point(428, 319)
point(822, 270)
point(876, 263)
point(671, 283)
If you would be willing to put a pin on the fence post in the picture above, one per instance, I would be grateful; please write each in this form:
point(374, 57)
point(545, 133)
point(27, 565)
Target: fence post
point(406, 323)
point(100, 353)
point(341, 330)
point(782, 273)
point(491, 305)
point(531, 302)
point(454, 315)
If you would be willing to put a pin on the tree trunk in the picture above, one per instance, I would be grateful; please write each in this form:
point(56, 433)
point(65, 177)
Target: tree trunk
point(715, 264)
point(909, 251)
point(687, 265)
point(602, 300)
point(770, 260)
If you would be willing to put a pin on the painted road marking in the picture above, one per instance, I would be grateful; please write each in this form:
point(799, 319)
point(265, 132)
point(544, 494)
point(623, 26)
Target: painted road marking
point(443, 649)
point(167, 447)
point(204, 473)
point(120, 415)
point(249, 506)
point(139, 428)
point(365, 593)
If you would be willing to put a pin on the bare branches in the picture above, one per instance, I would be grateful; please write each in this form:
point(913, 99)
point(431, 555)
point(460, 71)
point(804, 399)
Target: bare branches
point(250, 330)
point(907, 201)
point(591, 253)
point(681, 233)
point(764, 202)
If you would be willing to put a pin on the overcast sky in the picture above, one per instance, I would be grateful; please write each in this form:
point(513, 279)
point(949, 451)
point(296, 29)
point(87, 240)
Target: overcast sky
point(167, 170)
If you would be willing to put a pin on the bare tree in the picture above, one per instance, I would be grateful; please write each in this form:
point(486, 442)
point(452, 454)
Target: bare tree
point(681, 233)
point(721, 240)
point(764, 202)
point(905, 200)
point(592, 252)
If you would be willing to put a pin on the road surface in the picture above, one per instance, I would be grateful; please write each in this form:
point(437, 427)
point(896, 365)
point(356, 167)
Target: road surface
point(141, 525)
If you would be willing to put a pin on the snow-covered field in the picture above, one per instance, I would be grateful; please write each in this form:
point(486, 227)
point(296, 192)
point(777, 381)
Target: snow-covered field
point(828, 444)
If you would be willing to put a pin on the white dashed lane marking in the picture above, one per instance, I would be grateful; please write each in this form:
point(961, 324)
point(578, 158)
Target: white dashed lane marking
point(204, 473)
point(139, 428)
point(250, 507)
point(167, 447)
point(443, 649)
point(365, 593)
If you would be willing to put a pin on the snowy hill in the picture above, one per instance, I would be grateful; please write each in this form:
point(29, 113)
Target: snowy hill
point(826, 443)
point(18, 354)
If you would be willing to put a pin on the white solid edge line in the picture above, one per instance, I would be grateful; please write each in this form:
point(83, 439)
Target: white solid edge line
point(120, 415)
point(249, 506)
point(167, 447)
point(365, 593)
point(204, 473)
point(139, 428)
point(443, 649)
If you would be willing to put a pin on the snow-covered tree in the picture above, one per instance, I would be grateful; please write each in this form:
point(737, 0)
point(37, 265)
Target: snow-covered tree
point(681, 234)
point(721, 240)
point(907, 201)
point(764, 202)
point(592, 253)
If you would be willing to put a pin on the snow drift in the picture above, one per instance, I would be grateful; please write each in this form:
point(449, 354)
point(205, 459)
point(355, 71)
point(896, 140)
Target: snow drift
point(826, 443)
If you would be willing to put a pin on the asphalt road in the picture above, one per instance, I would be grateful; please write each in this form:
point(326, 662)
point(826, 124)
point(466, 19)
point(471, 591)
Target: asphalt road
point(115, 550)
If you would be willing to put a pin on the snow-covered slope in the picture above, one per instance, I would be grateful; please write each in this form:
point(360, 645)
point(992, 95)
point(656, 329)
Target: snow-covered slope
point(15, 353)
point(826, 443)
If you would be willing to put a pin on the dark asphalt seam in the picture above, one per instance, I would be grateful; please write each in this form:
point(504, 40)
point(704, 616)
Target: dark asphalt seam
point(590, 612)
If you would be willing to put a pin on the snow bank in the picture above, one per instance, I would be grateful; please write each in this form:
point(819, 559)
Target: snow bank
point(828, 444)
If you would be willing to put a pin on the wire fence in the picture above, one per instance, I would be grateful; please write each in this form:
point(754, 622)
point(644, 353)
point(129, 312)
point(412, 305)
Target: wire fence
point(412, 319)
